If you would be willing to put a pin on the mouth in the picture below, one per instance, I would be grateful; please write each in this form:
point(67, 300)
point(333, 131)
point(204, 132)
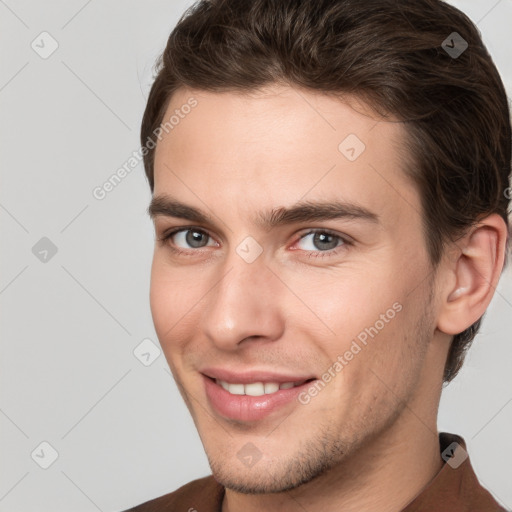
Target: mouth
point(252, 401)
point(258, 388)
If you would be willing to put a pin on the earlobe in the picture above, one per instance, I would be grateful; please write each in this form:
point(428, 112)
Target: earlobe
point(475, 274)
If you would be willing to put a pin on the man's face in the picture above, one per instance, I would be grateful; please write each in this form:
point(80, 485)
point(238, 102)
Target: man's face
point(293, 298)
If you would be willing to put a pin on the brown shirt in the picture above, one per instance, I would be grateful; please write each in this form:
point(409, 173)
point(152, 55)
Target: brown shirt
point(454, 489)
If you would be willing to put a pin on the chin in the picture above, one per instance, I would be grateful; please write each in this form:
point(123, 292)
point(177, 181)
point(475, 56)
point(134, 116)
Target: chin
point(256, 484)
point(268, 478)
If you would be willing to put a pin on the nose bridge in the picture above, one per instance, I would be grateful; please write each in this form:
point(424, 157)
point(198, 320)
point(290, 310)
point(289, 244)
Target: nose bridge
point(244, 300)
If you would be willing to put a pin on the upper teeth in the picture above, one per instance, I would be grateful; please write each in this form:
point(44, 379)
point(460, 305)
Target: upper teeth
point(256, 388)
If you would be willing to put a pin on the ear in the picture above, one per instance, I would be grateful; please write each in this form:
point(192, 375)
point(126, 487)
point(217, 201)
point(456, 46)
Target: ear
point(471, 273)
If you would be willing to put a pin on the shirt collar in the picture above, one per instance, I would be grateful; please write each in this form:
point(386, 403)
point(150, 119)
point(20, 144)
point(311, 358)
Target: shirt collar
point(455, 487)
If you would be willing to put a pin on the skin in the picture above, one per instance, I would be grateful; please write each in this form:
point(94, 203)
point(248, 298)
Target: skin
point(369, 439)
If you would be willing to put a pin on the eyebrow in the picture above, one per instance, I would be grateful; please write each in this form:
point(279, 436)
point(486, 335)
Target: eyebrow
point(301, 212)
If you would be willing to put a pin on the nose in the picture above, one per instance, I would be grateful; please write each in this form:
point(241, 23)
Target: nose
point(245, 302)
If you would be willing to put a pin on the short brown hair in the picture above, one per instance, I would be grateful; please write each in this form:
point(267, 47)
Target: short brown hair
point(389, 53)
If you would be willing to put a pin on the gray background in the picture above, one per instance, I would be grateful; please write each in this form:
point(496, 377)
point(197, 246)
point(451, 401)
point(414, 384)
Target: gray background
point(70, 324)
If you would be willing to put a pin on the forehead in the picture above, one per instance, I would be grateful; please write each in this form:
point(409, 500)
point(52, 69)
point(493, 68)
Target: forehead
point(278, 145)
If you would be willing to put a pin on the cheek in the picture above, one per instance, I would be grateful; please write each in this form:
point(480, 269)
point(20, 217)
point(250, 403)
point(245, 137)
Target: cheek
point(381, 372)
point(159, 299)
point(341, 304)
point(395, 350)
point(171, 298)
point(366, 318)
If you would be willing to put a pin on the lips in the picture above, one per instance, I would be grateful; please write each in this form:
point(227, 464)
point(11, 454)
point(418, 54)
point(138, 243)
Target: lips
point(228, 397)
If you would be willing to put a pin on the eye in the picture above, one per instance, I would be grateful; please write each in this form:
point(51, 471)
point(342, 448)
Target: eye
point(187, 238)
point(321, 240)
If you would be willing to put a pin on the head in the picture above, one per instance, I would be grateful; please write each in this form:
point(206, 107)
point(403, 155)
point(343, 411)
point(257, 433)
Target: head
point(286, 114)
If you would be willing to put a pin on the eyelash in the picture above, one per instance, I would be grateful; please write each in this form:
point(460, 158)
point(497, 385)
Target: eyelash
point(165, 238)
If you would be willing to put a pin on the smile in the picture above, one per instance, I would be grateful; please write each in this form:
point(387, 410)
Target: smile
point(257, 388)
point(252, 401)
